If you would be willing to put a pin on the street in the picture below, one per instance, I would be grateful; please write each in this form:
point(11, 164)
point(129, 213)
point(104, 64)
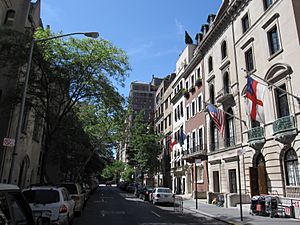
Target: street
point(110, 205)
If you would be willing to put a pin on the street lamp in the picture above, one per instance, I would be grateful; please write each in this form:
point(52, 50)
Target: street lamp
point(24, 92)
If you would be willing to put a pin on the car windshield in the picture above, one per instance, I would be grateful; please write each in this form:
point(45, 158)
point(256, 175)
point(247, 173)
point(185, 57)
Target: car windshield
point(71, 188)
point(164, 190)
point(41, 196)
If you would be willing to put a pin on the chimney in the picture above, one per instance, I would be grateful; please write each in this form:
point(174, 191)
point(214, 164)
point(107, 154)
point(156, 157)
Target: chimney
point(210, 19)
point(199, 37)
point(205, 28)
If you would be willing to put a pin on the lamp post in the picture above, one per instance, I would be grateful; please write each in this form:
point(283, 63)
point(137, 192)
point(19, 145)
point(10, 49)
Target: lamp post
point(24, 92)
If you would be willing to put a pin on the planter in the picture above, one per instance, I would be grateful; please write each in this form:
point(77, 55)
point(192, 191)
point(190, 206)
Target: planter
point(198, 82)
point(192, 89)
point(186, 94)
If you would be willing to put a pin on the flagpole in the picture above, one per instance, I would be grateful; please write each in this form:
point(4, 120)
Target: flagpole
point(273, 85)
point(245, 123)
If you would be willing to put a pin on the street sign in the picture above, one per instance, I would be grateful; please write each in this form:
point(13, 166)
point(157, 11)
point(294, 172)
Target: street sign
point(8, 142)
point(198, 162)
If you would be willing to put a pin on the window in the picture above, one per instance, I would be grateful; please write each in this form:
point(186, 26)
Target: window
point(229, 131)
point(273, 39)
point(192, 81)
point(226, 83)
point(200, 138)
point(181, 108)
point(187, 85)
point(170, 122)
point(210, 64)
point(193, 109)
point(199, 103)
point(249, 60)
point(214, 137)
point(10, 17)
point(282, 102)
point(267, 3)
point(175, 115)
point(188, 143)
point(292, 168)
point(232, 181)
point(245, 23)
point(212, 94)
point(194, 141)
point(224, 50)
point(187, 113)
point(198, 72)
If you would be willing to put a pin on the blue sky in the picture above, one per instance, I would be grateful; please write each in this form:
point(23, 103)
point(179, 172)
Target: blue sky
point(150, 31)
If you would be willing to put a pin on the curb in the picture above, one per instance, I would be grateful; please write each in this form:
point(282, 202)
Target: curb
point(211, 216)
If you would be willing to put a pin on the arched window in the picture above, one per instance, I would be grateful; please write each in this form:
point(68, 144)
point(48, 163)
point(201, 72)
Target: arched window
point(224, 50)
point(214, 142)
point(229, 131)
point(226, 83)
point(210, 64)
point(212, 94)
point(10, 17)
point(291, 168)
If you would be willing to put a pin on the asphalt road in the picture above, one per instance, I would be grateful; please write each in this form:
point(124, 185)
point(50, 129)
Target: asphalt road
point(111, 206)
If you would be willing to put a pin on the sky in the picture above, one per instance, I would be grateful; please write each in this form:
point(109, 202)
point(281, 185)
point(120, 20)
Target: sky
point(150, 31)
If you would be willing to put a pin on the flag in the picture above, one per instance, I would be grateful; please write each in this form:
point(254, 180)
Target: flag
point(218, 117)
point(182, 136)
point(254, 99)
point(172, 143)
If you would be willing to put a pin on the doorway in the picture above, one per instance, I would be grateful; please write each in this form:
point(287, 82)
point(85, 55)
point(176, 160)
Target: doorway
point(216, 181)
point(258, 176)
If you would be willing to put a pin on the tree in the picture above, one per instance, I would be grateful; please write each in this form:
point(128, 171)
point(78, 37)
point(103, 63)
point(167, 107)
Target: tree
point(144, 145)
point(116, 170)
point(69, 72)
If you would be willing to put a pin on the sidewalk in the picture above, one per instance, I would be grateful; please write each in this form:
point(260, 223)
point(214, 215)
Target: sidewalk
point(232, 215)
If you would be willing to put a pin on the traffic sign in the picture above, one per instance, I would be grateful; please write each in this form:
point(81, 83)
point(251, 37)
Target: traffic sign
point(8, 142)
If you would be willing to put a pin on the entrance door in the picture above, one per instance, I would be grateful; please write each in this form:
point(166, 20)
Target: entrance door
point(232, 181)
point(216, 181)
point(258, 177)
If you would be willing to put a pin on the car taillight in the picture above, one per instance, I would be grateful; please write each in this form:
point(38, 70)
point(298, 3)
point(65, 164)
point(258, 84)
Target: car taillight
point(146, 192)
point(158, 195)
point(63, 209)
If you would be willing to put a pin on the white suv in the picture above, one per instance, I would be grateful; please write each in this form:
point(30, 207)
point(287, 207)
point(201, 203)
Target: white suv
point(55, 200)
point(77, 194)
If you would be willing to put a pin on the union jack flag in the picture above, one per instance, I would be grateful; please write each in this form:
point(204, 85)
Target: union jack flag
point(218, 117)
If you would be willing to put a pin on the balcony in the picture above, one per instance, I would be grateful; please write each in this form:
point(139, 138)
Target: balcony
point(256, 138)
point(177, 96)
point(159, 117)
point(285, 129)
point(197, 152)
point(225, 97)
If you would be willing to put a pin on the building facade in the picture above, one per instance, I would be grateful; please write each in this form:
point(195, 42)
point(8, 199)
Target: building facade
point(19, 16)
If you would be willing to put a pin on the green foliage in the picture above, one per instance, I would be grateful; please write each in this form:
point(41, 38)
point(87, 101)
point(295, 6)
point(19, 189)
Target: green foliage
point(144, 144)
point(113, 170)
point(127, 174)
point(77, 76)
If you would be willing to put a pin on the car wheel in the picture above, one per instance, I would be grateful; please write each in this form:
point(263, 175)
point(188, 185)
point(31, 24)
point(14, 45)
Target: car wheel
point(70, 221)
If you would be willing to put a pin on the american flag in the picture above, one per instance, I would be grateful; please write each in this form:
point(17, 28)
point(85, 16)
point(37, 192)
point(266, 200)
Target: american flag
point(218, 117)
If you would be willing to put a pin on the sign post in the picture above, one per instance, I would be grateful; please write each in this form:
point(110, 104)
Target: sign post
point(240, 152)
point(197, 163)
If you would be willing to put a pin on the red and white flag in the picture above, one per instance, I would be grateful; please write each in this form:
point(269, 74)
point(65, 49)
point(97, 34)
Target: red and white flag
point(172, 143)
point(254, 100)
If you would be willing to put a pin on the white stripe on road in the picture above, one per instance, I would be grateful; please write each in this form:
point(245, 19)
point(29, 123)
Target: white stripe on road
point(104, 212)
point(155, 214)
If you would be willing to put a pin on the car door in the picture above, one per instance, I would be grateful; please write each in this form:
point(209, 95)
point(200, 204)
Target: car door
point(20, 211)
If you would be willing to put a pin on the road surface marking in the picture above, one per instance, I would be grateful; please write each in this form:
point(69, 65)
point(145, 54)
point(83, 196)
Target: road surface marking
point(104, 212)
point(155, 214)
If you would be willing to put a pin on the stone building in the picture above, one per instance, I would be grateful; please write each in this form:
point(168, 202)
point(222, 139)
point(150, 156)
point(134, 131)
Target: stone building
point(19, 16)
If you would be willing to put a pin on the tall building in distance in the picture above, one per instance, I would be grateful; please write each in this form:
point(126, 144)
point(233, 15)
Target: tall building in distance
point(142, 97)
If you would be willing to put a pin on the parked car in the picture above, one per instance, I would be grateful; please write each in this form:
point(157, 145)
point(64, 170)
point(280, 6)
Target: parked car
point(131, 187)
point(77, 194)
point(53, 200)
point(138, 190)
point(162, 195)
point(14, 209)
point(147, 191)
